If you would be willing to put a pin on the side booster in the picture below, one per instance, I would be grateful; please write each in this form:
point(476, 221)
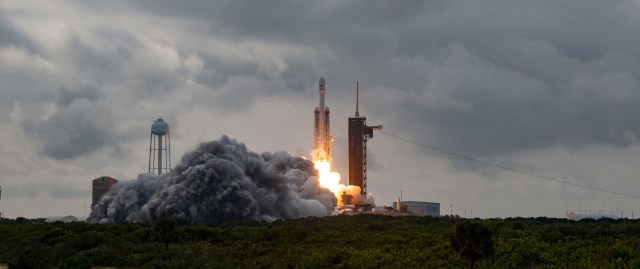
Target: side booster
point(322, 138)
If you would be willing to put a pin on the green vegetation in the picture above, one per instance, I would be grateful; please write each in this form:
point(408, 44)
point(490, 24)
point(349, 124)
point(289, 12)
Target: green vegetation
point(363, 241)
point(472, 241)
point(165, 232)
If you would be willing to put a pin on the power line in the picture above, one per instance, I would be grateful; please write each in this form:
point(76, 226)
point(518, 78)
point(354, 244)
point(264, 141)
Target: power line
point(507, 168)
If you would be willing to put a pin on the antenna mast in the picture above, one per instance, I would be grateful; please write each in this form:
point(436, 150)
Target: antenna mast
point(357, 114)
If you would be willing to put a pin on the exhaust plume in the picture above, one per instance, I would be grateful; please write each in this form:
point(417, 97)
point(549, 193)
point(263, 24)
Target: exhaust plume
point(219, 181)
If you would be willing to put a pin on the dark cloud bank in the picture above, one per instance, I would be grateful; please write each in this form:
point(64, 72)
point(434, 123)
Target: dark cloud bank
point(220, 180)
point(79, 126)
point(488, 79)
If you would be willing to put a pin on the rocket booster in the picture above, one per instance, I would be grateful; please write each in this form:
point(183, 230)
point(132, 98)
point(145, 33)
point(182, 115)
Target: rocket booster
point(322, 138)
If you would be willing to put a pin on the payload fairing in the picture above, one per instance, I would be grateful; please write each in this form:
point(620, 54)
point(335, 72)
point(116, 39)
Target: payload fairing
point(322, 138)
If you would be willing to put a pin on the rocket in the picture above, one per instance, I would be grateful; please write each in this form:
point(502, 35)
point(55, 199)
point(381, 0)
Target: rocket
point(322, 138)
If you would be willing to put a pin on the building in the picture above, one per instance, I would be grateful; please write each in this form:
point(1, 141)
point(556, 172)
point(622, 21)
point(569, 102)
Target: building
point(421, 208)
point(100, 186)
point(66, 219)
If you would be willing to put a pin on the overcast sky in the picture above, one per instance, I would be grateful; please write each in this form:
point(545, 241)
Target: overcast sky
point(546, 87)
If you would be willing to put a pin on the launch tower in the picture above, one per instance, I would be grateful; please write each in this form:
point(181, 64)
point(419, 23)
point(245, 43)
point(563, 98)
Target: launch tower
point(359, 134)
point(159, 148)
point(322, 138)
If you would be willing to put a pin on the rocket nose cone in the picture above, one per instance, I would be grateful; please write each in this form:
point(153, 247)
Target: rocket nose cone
point(321, 88)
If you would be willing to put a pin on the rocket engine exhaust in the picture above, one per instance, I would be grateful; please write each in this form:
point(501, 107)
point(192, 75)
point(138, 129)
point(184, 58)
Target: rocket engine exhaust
point(219, 181)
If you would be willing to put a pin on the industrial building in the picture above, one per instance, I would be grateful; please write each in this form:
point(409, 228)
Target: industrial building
point(65, 219)
point(100, 186)
point(358, 135)
point(420, 208)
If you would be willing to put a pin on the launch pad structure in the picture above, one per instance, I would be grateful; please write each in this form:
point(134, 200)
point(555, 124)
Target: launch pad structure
point(358, 135)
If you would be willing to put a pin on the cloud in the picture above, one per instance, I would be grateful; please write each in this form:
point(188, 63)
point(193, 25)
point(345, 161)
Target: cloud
point(57, 189)
point(11, 35)
point(22, 190)
point(67, 191)
point(78, 126)
point(65, 97)
point(470, 105)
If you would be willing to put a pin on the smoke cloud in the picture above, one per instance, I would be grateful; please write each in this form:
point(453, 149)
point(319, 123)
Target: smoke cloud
point(219, 181)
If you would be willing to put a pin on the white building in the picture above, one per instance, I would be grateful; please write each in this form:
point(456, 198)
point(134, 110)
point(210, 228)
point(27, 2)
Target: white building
point(66, 219)
point(421, 208)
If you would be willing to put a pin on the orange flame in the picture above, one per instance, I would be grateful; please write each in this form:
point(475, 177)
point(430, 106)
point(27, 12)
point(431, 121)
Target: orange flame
point(328, 179)
point(331, 181)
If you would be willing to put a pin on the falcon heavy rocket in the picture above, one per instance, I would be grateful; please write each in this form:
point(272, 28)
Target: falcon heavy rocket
point(322, 138)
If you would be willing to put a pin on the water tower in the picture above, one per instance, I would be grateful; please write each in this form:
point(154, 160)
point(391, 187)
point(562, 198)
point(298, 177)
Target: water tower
point(159, 148)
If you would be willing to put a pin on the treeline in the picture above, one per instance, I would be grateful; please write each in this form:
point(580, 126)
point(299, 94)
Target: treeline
point(362, 241)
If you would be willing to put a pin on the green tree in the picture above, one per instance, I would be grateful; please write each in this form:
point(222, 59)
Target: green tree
point(75, 262)
point(165, 231)
point(472, 241)
point(21, 262)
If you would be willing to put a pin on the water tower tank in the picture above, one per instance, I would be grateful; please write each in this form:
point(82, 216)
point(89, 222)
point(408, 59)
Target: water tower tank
point(160, 127)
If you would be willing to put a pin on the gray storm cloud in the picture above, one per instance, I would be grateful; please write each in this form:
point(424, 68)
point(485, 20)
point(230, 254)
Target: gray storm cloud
point(487, 79)
point(219, 181)
point(79, 126)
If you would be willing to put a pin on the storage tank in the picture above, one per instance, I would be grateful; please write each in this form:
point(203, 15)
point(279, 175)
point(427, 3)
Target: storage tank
point(100, 186)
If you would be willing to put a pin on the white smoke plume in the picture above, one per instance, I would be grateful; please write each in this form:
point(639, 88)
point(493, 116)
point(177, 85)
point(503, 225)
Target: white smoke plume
point(219, 181)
